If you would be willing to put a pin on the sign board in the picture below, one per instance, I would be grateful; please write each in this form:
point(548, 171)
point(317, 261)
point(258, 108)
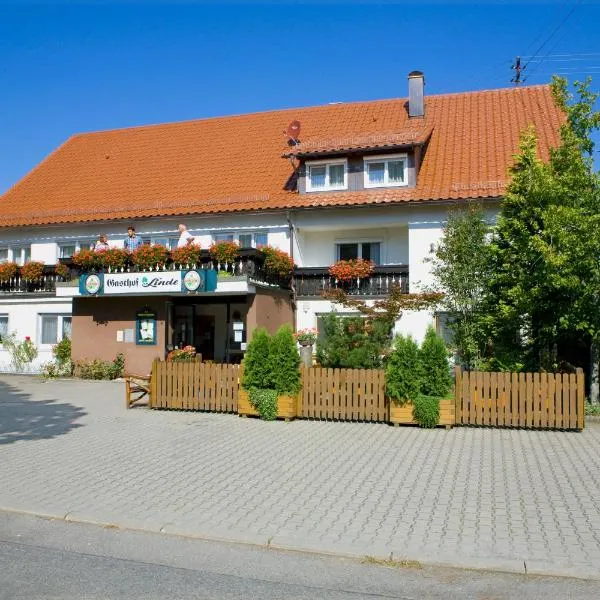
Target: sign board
point(145, 327)
point(154, 282)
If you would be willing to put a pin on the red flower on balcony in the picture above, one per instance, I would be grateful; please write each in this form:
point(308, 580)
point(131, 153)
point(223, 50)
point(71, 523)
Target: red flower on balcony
point(186, 255)
point(32, 270)
point(148, 257)
point(224, 252)
point(113, 258)
point(8, 270)
point(86, 259)
point(355, 268)
point(277, 262)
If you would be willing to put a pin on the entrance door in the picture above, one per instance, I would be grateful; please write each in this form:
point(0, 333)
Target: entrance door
point(205, 336)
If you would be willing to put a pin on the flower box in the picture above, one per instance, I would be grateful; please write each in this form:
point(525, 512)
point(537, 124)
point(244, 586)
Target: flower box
point(287, 406)
point(403, 415)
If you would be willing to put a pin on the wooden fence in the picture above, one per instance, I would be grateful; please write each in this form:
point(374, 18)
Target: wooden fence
point(194, 386)
point(530, 400)
point(343, 394)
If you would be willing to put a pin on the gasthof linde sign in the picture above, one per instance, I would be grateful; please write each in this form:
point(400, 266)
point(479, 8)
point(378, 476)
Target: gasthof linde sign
point(159, 282)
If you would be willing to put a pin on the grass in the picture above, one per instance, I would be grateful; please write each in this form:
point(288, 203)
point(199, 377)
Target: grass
point(392, 563)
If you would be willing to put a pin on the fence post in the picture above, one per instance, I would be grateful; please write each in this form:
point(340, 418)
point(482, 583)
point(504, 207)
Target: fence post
point(457, 395)
point(153, 381)
point(580, 399)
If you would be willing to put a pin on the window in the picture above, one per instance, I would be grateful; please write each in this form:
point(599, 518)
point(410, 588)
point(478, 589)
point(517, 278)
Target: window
point(53, 328)
point(442, 327)
point(21, 254)
point(366, 250)
point(385, 171)
point(3, 327)
point(3, 255)
point(67, 249)
point(245, 240)
point(167, 242)
point(322, 176)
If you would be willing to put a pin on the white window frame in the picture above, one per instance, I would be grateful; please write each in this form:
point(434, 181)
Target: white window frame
point(2, 315)
point(79, 244)
point(171, 240)
point(236, 236)
point(359, 242)
point(17, 254)
point(59, 327)
point(385, 158)
point(327, 164)
point(7, 248)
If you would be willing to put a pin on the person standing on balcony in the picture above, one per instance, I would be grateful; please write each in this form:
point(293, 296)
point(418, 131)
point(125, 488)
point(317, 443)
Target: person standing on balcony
point(185, 237)
point(132, 241)
point(102, 243)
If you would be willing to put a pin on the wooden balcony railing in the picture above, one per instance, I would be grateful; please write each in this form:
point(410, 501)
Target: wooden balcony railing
point(311, 282)
point(19, 285)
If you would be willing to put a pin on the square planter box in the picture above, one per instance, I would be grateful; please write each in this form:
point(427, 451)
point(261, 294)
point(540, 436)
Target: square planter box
point(287, 406)
point(403, 415)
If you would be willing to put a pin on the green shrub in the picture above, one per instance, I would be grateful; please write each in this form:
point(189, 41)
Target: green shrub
point(284, 362)
point(402, 373)
point(265, 402)
point(256, 361)
point(100, 369)
point(352, 342)
point(21, 353)
point(62, 355)
point(436, 379)
point(426, 410)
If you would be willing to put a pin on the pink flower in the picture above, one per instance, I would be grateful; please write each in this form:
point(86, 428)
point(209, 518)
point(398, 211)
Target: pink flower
point(27, 338)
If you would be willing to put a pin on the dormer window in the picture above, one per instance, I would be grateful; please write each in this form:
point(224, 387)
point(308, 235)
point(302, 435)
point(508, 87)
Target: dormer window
point(326, 175)
point(385, 171)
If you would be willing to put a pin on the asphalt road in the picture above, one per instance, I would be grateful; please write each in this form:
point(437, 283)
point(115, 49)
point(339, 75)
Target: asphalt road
point(52, 559)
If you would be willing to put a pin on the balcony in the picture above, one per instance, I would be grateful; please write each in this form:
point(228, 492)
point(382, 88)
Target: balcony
point(45, 286)
point(311, 282)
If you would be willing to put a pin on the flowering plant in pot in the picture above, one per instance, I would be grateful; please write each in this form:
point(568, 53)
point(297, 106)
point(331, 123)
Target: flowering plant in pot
point(113, 258)
point(277, 262)
point(86, 259)
point(182, 354)
point(354, 268)
point(8, 270)
point(187, 255)
point(306, 337)
point(62, 271)
point(32, 270)
point(148, 257)
point(224, 252)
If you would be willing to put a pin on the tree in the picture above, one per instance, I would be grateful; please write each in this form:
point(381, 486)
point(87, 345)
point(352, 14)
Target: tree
point(435, 376)
point(543, 295)
point(402, 373)
point(256, 361)
point(284, 362)
point(460, 266)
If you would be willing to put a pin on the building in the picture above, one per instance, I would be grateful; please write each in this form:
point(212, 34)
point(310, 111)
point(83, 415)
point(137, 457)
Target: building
point(367, 179)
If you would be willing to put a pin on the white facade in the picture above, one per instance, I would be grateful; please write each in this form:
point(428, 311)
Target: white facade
point(405, 234)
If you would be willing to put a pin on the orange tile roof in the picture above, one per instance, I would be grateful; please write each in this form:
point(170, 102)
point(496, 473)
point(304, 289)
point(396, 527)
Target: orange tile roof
point(234, 163)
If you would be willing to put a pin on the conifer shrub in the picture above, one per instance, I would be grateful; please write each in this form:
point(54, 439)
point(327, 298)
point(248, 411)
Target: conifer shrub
point(256, 361)
point(284, 362)
point(436, 379)
point(403, 371)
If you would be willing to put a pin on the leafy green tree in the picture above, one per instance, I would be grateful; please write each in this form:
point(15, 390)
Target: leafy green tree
point(256, 361)
point(436, 379)
point(460, 267)
point(284, 362)
point(403, 371)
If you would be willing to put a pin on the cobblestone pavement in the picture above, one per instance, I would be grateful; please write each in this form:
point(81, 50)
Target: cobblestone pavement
point(468, 497)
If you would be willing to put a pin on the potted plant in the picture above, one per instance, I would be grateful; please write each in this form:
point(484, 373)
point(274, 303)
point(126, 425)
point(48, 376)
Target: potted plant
point(224, 252)
point(271, 376)
point(186, 255)
point(354, 268)
point(418, 382)
point(86, 259)
point(306, 338)
point(277, 263)
point(112, 259)
point(8, 271)
point(148, 257)
point(186, 353)
point(62, 271)
point(32, 270)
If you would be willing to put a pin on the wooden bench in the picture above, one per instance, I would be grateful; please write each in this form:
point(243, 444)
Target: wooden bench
point(136, 388)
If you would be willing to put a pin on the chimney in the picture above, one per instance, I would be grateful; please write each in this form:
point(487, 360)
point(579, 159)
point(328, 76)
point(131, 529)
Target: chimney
point(416, 85)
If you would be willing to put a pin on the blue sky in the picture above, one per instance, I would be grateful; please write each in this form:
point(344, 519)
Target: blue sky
point(69, 67)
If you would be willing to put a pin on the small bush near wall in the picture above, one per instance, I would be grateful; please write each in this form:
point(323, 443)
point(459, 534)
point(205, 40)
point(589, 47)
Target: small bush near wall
point(100, 369)
point(61, 366)
point(22, 353)
point(426, 411)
